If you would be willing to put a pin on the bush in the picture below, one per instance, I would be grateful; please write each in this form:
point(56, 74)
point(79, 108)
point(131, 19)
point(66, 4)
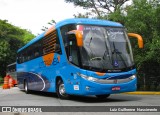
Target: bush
point(152, 88)
point(1, 80)
point(158, 88)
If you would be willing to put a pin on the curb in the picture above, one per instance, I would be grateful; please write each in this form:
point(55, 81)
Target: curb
point(143, 93)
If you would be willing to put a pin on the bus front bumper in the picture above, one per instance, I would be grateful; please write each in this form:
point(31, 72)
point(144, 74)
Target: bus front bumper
point(93, 88)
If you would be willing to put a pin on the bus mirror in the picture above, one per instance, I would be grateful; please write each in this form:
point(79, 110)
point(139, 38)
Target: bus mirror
point(140, 40)
point(78, 35)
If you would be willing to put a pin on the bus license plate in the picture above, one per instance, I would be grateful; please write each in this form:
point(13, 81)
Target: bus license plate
point(116, 88)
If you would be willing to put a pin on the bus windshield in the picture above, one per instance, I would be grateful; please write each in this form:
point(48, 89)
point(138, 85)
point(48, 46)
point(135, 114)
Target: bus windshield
point(105, 48)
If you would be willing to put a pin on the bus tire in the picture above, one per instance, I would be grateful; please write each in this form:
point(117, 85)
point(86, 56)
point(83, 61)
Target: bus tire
point(60, 90)
point(102, 96)
point(26, 87)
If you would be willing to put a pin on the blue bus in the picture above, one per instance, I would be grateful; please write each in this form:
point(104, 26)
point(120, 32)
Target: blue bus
point(79, 57)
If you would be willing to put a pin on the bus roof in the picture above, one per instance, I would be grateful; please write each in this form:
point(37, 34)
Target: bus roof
point(74, 21)
point(88, 21)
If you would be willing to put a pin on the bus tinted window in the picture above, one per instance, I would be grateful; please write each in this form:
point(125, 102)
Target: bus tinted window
point(51, 43)
point(46, 45)
point(66, 29)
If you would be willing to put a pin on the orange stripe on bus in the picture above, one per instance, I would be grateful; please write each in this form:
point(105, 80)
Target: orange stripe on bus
point(100, 74)
point(48, 59)
point(59, 58)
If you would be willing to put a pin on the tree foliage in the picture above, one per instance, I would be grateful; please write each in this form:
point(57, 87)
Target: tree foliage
point(11, 39)
point(99, 7)
point(143, 18)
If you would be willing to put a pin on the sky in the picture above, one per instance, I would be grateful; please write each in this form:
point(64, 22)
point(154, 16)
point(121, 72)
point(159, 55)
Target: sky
point(34, 14)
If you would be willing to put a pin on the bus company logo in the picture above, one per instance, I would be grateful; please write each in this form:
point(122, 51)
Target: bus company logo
point(6, 109)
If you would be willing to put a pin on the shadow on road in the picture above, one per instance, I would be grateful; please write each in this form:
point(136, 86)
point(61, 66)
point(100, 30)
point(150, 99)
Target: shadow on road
point(92, 99)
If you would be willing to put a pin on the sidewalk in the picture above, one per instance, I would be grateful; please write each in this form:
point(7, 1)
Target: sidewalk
point(144, 93)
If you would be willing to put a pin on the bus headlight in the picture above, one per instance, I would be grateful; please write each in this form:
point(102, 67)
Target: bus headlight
point(87, 77)
point(132, 77)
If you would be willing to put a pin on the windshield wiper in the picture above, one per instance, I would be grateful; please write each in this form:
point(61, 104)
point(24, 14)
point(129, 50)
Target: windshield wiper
point(105, 53)
point(90, 41)
point(96, 58)
point(91, 55)
point(115, 63)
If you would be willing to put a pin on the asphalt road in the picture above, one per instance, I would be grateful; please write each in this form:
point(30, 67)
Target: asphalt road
point(16, 97)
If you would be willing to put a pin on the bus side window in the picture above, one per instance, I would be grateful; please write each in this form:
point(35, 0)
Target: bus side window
point(23, 56)
point(18, 58)
point(36, 50)
point(73, 52)
point(51, 43)
point(36, 54)
point(57, 45)
point(64, 30)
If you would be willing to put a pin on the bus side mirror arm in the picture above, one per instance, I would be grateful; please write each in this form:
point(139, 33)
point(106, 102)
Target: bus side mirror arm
point(79, 37)
point(140, 40)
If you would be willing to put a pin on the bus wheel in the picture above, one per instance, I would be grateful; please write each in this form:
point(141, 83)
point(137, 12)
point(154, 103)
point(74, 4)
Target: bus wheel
point(102, 96)
point(60, 89)
point(26, 87)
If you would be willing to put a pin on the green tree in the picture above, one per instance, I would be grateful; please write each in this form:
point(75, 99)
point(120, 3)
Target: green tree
point(99, 7)
point(11, 39)
point(27, 36)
